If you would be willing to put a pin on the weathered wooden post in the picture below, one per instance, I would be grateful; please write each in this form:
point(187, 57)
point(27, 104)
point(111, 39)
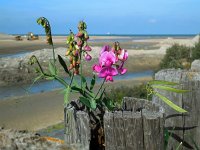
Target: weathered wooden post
point(78, 129)
point(190, 101)
point(139, 127)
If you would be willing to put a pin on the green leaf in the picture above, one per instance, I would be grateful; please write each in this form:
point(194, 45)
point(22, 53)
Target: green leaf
point(85, 101)
point(167, 88)
point(93, 81)
point(52, 69)
point(88, 102)
point(77, 89)
point(62, 62)
point(84, 83)
point(50, 78)
point(166, 137)
point(66, 95)
point(161, 82)
point(108, 103)
point(93, 104)
point(101, 96)
point(170, 103)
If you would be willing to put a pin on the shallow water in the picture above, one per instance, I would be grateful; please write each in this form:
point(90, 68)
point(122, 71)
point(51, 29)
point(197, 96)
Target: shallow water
point(11, 91)
point(17, 55)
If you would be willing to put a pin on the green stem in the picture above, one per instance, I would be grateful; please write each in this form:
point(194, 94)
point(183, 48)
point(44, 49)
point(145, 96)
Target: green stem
point(72, 78)
point(38, 64)
point(61, 81)
point(100, 87)
point(81, 66)
point(54, 58)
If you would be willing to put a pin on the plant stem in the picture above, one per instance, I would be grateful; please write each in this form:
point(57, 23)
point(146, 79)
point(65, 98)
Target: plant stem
point(100, 87)
point(61, 81)
point(81, 66)
point(54, 58)
point(72, 78)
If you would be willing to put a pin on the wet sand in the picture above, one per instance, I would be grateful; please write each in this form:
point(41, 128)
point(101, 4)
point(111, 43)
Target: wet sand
point(38, 111)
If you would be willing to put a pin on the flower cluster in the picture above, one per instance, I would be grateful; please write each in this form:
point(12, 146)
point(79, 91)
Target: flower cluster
point(111, 62)
point(77, 45)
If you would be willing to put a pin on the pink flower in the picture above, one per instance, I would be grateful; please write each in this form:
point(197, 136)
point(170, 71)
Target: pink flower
point(123, 55)
point(107, 63)
point(87, 48)
point(88, 57)
point(122, 70)
point(96, 68)
point(109, 78)
point(107, 73)
point(105, 48)
point(107, 59)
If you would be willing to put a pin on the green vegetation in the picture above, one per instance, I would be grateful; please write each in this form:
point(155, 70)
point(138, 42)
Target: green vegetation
point(117, 94)
point(196, 51)
point(179, 56)
point(176, 56)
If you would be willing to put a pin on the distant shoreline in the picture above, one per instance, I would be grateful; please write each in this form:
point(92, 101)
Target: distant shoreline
point(131, 35)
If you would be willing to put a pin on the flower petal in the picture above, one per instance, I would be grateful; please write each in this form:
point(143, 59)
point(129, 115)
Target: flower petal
point(107, 59)
point(105, 48)
point(123, 55)
point(87, 48)
point(109, 78)
point(88, 57)
point(97, 68)
point(122, 71)
point(107, 71)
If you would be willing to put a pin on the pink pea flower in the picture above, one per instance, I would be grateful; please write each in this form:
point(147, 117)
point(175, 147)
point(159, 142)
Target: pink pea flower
point(107, 67)
point(109, 78)
point(107, 59)
point(88, 57)
point(122, 70)
point(105, 48)
point(108, 73)
point(123, 56)
point(96, 68)
point(87, 48)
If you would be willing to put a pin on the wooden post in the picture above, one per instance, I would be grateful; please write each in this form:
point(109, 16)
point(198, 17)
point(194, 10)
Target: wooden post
point(190, 101)
point(78, 129)
point(138, 127)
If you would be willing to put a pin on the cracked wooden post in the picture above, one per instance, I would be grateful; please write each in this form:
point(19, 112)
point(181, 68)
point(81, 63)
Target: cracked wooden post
point(140, 126)
point(78, 129)
point(190, 101)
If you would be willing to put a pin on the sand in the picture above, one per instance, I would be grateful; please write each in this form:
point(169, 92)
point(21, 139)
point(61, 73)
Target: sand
point(38, 111)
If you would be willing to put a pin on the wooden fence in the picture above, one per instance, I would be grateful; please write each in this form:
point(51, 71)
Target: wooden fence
point(138, 127)
point(190, 101)
point(77, 129)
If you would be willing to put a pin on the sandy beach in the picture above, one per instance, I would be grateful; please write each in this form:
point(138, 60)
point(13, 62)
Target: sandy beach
point(34, 112)
point(38, 111)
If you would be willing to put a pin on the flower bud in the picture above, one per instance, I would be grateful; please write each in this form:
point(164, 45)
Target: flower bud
point(67, 52)
point(79, 43)
point(79, 34)
point(88, 57)
point(87, 48)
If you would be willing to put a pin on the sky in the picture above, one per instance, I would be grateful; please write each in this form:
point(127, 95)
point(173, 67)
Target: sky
point(102, 16)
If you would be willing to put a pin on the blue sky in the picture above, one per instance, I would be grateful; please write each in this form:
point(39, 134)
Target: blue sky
point(103, 16)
